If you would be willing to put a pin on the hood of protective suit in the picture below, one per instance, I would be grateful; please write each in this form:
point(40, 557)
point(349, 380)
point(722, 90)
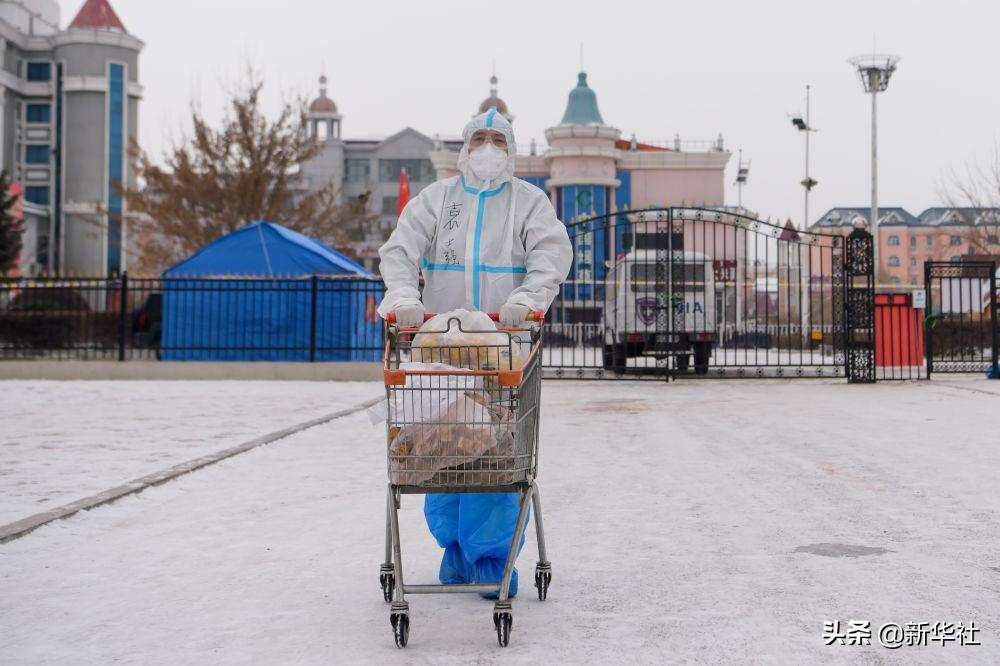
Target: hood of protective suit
point(491, 120)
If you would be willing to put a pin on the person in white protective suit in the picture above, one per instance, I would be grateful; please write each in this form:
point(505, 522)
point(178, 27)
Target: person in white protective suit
point(487, 241)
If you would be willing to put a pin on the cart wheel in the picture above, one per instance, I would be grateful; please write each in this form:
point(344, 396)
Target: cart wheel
point(400, 629)
point(542, 580)
point(388, 582)
point(503, 622)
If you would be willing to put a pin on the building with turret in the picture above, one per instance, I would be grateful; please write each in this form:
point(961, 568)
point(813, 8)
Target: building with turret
point(69, 102)
point(365, 168)
point(588, 169)
point(494, 102)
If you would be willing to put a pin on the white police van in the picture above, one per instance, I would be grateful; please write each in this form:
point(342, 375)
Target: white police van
point(635, 288)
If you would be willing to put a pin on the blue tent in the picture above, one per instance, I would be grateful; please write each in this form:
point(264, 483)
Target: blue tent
point(267, 293)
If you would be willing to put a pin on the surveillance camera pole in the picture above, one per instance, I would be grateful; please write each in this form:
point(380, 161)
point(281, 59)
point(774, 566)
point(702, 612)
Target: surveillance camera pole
point(802, 124)
point(808, 182)
point(742, 171)
point(739, 183)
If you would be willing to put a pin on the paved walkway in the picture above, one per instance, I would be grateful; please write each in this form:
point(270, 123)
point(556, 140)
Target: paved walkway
point(698, 522)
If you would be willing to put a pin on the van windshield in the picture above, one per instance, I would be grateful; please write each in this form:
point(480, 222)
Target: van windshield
point(652, 241)
point(686, 277)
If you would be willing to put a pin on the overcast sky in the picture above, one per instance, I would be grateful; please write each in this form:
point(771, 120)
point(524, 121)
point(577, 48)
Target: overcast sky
point(659, 68)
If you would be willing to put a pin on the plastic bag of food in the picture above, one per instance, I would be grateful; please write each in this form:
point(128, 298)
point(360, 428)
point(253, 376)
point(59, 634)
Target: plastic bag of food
point(468, 339)
point(466, 429)
point(494, 467)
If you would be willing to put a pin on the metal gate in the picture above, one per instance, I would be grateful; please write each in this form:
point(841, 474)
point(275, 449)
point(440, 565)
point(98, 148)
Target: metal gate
point(859, 307)
point(962, 330)
point(692, 292)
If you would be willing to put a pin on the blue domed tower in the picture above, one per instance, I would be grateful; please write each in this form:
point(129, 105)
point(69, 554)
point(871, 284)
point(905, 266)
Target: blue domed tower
point(583, 158)
point(582, 107)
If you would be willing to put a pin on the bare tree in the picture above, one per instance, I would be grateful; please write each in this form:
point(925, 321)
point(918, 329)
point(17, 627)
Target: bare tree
point(219, 180)
point(976, 196)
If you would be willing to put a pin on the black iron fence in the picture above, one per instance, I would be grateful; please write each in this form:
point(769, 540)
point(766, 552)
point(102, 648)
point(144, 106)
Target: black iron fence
point(962, 328)
point(314, 318)
point(662, 293)
point(689, 292)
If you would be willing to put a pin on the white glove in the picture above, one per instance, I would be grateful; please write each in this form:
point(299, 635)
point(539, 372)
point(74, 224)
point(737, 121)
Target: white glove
point(513, 315)
point(410, 316)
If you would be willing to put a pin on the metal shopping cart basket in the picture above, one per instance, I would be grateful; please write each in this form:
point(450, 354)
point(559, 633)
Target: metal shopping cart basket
point(462, 419)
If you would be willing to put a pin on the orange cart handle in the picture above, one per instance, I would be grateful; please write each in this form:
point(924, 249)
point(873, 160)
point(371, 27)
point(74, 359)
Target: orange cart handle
point(534, 315)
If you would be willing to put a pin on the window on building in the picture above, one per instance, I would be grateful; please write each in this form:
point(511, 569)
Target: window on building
point(39, 113)
point(37, 195)
point(956, 259)
point(993, 240)
point(913, 241)
point(913, 261)
point(930, 242)
point(39, 71)
point(893, 240)
point(42, 250)
point(389, 205)
point(357, 170)
point(955, 240)
point(894, 261)
point(894, 280)
point(37, 154)
point(421, 171)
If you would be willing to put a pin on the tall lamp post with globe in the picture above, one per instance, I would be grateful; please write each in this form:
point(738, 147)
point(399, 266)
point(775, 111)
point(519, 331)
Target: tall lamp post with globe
point(875, 70)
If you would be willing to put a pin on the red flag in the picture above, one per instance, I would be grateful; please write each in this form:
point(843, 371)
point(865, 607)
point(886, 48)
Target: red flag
point(404, 192)
point(17, 218)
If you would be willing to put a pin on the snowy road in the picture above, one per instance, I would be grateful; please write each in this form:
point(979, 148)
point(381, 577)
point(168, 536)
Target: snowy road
point(62, 441)
point(699, 522)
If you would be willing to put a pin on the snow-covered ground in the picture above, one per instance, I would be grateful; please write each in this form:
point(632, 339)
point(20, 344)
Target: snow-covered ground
point(62, 441)
point(696, 522)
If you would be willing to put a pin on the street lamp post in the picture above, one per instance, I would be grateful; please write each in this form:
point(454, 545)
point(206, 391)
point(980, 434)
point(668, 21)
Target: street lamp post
point(802, 124)
point(875, 70)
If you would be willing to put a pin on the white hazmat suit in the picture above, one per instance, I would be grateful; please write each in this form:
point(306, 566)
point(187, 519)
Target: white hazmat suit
point(479, 243)
point(487, 241)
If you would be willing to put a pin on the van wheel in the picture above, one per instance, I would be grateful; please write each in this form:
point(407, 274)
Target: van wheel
point(702, 352)
point(683, 361)
point(614, 358)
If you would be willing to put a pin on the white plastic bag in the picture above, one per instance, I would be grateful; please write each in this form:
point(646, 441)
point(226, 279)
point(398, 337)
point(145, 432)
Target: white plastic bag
point(468, 339)
point(467, 429)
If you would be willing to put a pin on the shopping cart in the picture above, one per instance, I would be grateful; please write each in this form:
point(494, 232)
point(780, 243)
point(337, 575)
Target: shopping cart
point(462, 419)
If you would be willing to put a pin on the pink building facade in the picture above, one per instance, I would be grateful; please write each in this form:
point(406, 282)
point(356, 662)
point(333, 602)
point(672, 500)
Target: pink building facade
point(906, 241)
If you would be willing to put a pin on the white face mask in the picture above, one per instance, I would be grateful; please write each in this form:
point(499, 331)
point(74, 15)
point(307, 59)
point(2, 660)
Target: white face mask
point(487, 162)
